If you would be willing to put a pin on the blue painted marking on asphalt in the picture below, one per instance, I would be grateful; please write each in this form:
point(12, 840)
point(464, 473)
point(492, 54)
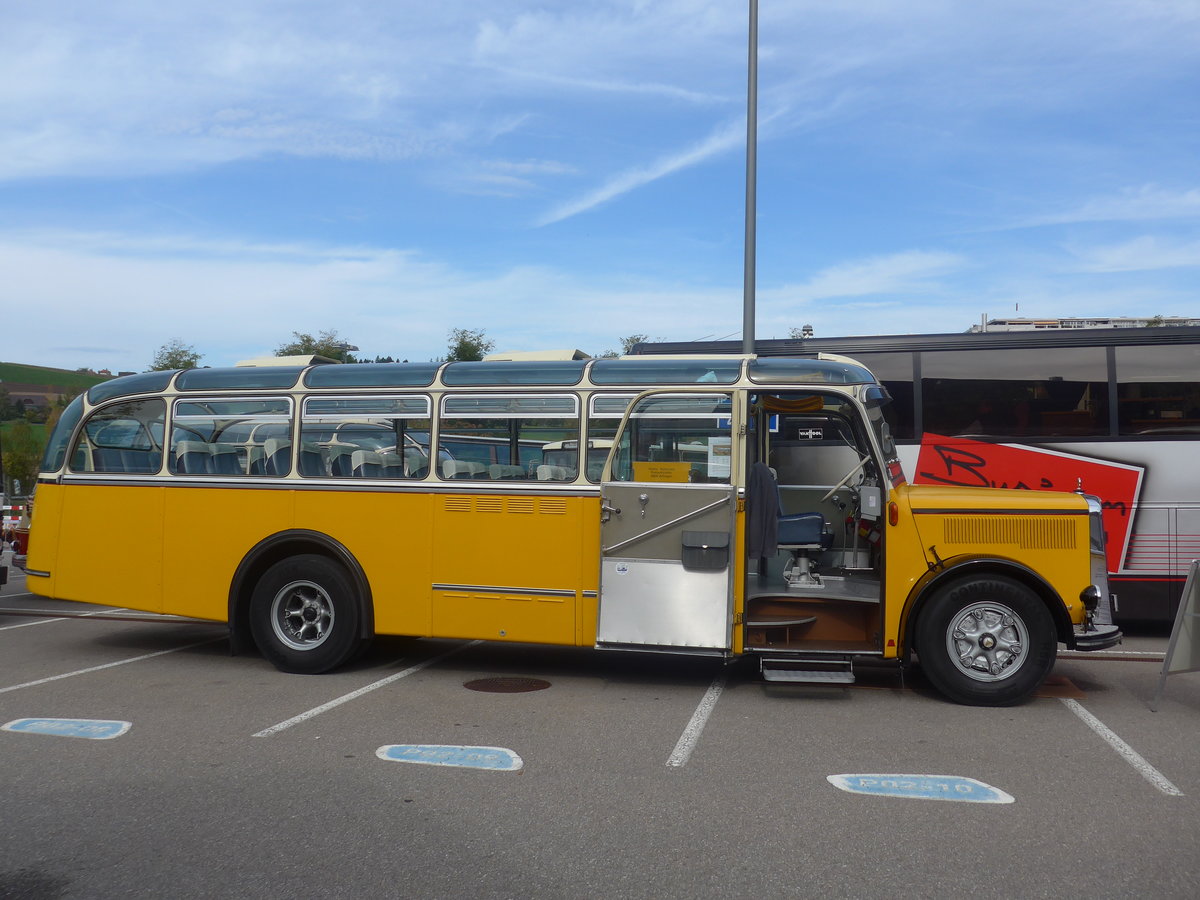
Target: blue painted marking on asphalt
point(921, 787)
point(92, 729)
point(496, 758)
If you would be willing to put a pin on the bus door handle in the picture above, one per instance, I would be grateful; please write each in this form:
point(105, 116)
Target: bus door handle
point(606, 511)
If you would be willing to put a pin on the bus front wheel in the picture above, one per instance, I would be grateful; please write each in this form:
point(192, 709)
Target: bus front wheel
point(986, 641)
point(304, 615)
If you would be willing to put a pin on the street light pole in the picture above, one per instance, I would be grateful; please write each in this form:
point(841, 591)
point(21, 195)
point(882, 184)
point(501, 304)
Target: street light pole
point(751, 182)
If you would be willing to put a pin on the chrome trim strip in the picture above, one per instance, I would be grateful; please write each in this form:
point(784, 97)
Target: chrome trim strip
point(777, 654)
point(37, 573)
point(494, 589)
point(346, 485)
point(1000, 512)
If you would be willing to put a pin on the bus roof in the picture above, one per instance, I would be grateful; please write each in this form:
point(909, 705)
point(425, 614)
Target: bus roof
point(629, 372)
point(992, 340)
point(632, 373)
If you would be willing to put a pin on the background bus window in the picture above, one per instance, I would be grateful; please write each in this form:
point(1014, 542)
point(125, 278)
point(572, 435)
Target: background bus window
point(677, 438)
point(496, 437)
point(1158, 390)
point(365, 437)
point(895, 372)
point(1015, 393)
point(124, 437)
point(231, 437)
point(604, 416)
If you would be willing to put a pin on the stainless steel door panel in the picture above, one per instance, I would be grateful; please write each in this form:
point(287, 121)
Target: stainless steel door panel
point(658, 602)
point(647, 596)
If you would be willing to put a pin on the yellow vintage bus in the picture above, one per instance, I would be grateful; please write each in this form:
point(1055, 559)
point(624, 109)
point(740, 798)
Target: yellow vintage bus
point(744, 506)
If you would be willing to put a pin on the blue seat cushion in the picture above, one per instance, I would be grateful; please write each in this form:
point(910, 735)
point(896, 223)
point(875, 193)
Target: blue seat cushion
point(801, 528)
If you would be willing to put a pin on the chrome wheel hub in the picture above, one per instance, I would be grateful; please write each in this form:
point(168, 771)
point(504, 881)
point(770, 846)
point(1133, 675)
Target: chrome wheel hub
point(988, 641)
point(302, 615)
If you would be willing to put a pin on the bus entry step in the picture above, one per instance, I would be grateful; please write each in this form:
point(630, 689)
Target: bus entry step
point(834, 671)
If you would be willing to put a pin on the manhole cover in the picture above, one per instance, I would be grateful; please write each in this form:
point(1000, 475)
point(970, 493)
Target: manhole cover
point(506, 684)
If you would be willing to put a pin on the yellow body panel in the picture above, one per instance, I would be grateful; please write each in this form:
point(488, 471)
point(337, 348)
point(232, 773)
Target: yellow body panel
point(43, 554)
point(533, 561)
point(587, 620)
point(514, 567)
point(389, 535)
point(526, 552)
point(904, 568)
point(1044, 532)
point(740, 563)
point(208, 532)
point(113, 537)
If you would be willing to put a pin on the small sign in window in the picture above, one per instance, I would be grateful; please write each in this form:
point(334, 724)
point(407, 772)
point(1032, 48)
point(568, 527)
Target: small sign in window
point(675, 472)
point(720, 452)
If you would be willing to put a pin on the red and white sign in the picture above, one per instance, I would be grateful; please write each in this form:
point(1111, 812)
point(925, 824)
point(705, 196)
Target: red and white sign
point(961, 461)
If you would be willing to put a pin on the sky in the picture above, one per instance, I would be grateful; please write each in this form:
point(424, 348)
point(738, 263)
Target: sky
point(564, 174)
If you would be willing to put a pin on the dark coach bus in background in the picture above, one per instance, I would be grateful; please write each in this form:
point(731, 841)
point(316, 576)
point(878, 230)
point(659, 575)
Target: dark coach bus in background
point(1114, 410)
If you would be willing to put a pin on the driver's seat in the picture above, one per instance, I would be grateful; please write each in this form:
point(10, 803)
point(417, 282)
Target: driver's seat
point(804, 534)
point(801, 533)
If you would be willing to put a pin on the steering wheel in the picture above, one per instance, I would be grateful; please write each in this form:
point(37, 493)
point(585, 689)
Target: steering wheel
point(845, 478)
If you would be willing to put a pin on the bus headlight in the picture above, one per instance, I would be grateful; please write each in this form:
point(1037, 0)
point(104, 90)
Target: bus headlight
point(1090, 597)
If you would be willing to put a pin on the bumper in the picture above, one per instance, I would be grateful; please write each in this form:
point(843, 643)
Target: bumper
point(1097, 637)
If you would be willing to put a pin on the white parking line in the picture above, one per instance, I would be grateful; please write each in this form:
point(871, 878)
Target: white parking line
point(354, 695)
point(60, 619)
point(1130, 755)
point(691, 734)
point(27, 624)
point(119, 662)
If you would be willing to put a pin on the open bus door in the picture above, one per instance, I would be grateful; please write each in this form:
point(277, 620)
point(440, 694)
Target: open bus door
point(668, 523)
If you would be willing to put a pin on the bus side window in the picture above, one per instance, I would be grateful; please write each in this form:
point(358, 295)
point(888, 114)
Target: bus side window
point(682, 438)
point(365, 437)
point(507, 437)
point(121, 438)
point(231, 438)
point(604, 416)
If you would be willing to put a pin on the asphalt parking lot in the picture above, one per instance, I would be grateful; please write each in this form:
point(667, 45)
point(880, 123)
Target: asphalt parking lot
point(624, 775)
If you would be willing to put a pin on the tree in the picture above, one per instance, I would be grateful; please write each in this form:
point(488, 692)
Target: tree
point(22, 454)
point(327, 344)
point(467, 345)
point(57, 409)
point(627, 345)
point(7, 409)
point(175, 354)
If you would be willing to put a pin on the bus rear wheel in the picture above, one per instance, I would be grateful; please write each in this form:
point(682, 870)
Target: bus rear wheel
point(304, 615)
point(987, 641)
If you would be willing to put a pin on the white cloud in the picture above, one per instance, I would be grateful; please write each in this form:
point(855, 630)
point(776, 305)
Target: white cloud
point(129, 294)
point(568, 84)
point(1133, 204)
point(893, 274)
point(725, 138)
point(88, 87)
point(892, 125)
point(1141, 254)
point(504, 178)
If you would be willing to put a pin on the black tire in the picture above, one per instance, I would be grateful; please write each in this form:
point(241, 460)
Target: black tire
point(986, 641)
point(305, 615)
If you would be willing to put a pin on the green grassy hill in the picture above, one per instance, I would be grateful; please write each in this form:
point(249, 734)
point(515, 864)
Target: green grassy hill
point(19, 373)
point(39, 432)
